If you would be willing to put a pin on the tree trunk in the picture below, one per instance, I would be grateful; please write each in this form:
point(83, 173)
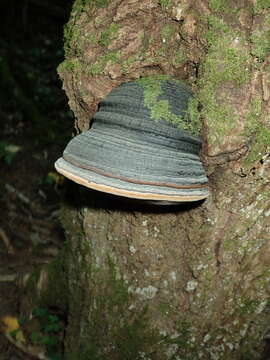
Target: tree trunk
point(190, 282)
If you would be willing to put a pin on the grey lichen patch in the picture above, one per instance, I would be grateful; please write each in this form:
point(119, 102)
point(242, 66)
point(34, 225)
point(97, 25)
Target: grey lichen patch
point(148, 292)
point(191, 285)
point(159, 108)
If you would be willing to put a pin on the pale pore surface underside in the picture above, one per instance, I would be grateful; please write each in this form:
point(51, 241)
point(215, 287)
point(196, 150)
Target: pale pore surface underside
point(122, 192)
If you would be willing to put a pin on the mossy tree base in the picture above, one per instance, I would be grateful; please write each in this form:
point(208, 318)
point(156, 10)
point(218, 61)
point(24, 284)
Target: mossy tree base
point(192, 283)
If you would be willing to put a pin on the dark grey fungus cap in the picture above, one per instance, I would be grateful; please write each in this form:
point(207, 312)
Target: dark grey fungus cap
point(140, 145)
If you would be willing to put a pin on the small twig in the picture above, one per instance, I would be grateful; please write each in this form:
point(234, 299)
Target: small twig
point(18, 234)
point(7, 242)
point(41, 230)
point(8, 277)
point(25, 350)
point(20, 195)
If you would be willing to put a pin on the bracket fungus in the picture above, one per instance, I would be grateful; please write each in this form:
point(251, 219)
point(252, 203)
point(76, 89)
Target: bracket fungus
point(141, 145)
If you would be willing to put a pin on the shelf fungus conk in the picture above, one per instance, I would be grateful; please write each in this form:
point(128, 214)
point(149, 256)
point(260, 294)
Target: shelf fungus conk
point(141, 145)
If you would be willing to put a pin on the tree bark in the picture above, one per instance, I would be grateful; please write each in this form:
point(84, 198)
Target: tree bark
point(190, 282)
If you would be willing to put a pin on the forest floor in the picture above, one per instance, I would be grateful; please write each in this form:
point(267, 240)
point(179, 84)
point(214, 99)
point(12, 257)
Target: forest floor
point(35, 126)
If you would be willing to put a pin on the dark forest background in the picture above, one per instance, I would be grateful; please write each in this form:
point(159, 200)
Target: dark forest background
point(35, 125)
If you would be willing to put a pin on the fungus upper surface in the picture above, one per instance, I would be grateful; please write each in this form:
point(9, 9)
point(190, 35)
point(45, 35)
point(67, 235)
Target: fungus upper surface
point(141, 145)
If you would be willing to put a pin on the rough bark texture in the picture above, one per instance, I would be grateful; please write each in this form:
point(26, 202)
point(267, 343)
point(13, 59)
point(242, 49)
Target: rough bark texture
point(192, 282)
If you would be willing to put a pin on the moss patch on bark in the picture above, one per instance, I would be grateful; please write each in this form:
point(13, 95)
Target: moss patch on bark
point(160, 109)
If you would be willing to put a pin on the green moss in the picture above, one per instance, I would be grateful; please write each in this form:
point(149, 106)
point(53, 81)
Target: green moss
point(72, 39)
point(120, 291)
point(136, 338)
point(263, 197)
point(111, 324)
point(194, 114)
point(248, 306)
point(218, 5)
point(80, 5)
point(55, 295)
point(224, 64)
point(247, 353)
point(165, 4)
point(107, 35)
point(167, 31)
point(161, 51)
point(72, 31)
point(179, 58)
point(261, 5)
point(98, 67)
point(160, 109)
point(99, 306)
point(260, 40)
point(70, 65)
point(126, 64)
point(100, 3)
point(217, 27)
point(256, 132)
point(164, 308)
point(92, 38)
point(131, 340)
